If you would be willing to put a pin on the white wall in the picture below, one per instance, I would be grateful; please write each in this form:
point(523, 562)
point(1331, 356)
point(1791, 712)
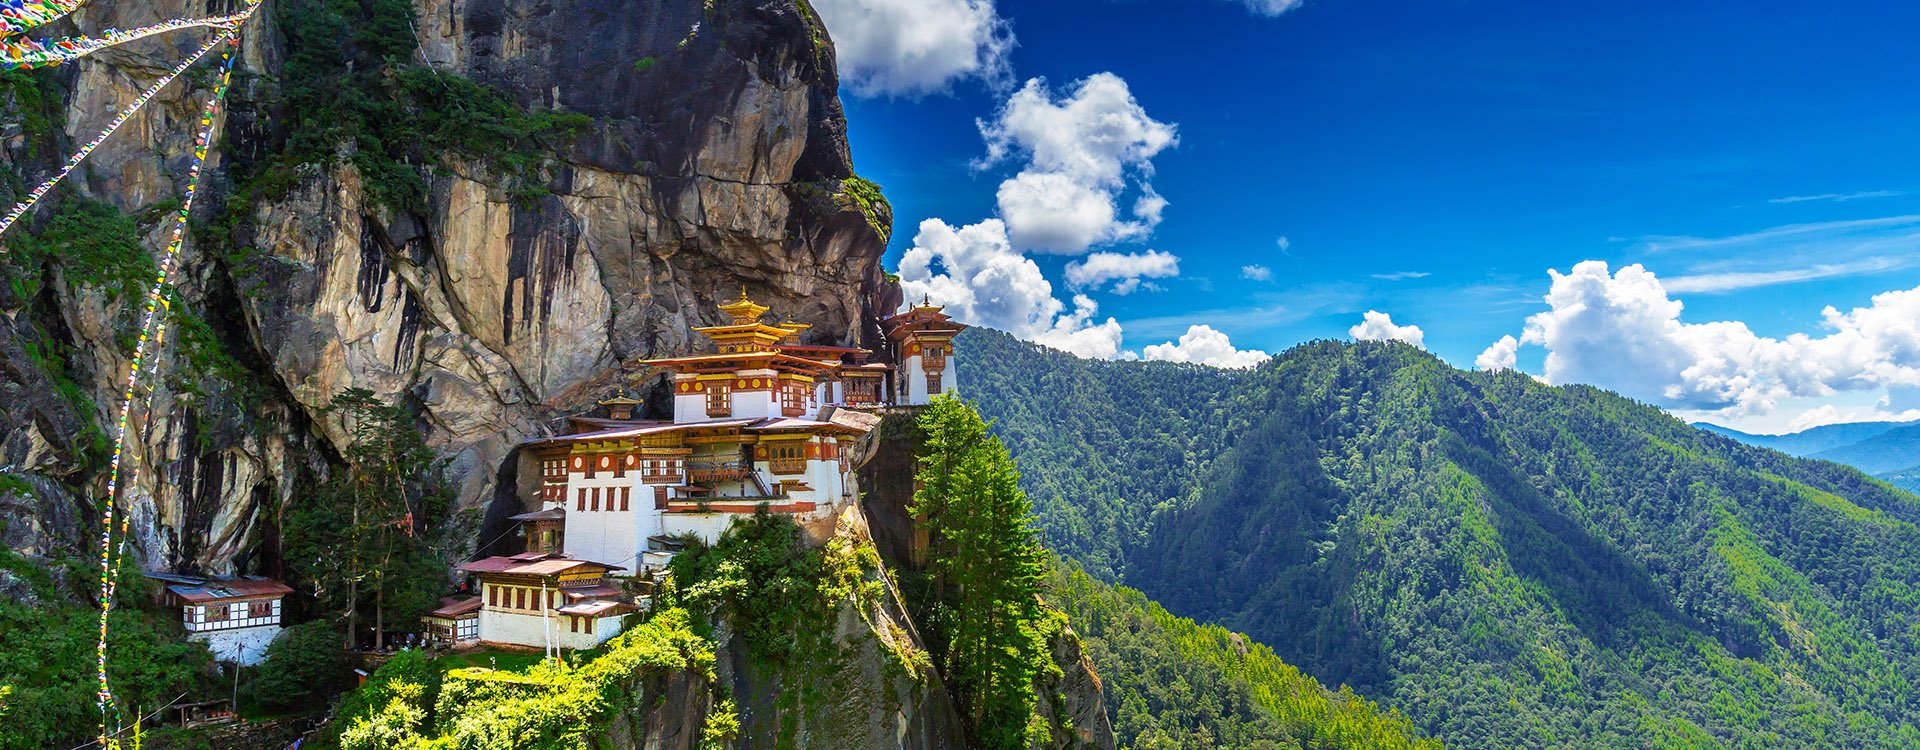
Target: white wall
point(916, 385)
point(689, 407)
point(244, 646)
point(613, 537)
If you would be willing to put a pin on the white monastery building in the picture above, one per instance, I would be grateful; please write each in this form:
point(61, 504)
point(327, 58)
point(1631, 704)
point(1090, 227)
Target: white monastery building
point(763, 421)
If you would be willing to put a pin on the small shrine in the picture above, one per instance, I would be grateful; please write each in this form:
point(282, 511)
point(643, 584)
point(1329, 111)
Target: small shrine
point(455, 623)
point(236, 617)
point(922, 341)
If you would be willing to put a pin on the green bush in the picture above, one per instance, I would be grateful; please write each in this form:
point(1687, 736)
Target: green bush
point(304, 667)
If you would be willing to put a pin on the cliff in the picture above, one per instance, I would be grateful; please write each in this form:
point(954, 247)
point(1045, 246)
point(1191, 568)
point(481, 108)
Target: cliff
point(373, 219)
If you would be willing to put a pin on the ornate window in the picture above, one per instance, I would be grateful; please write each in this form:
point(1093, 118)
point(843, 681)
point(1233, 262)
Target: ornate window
point(793, 398)
point(933, 384)
point(788, 459)
point(719, 400)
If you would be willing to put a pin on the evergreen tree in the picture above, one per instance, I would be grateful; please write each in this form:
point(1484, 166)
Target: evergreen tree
point(369, 537)
point(985, 567)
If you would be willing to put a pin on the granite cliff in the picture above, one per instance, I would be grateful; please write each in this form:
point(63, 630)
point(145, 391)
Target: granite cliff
point(671, 154)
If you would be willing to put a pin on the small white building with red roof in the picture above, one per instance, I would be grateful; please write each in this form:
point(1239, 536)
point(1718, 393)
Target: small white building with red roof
point(539, 599)
point(236, 617)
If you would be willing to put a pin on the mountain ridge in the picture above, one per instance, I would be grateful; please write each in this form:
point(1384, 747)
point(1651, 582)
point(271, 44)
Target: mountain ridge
point(1511, 564)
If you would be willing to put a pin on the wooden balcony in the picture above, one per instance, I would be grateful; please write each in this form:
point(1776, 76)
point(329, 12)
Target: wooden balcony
point(716, 470)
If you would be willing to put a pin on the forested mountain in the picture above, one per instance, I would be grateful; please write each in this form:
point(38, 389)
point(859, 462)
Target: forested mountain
point(1511, 564)
point(1808, 441)
point(1872, 447)
point(1893, 450)
point(1908, 479)
point(1174, 684)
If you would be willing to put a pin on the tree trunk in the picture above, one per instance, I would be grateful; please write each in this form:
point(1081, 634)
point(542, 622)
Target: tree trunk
point(379, 616)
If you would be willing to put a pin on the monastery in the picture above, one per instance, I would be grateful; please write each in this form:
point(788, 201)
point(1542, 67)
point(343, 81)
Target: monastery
point(762, 421)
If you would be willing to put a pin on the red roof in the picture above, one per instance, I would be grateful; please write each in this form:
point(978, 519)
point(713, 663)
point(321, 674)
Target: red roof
point(537, 564)
point(230, 589)
point(455, 607)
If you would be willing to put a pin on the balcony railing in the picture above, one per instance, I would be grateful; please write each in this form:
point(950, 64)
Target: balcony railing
point(715, 470)
point(788, 465)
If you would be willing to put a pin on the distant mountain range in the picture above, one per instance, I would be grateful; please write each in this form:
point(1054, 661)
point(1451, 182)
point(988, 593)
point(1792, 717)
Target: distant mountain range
point(1881, 448)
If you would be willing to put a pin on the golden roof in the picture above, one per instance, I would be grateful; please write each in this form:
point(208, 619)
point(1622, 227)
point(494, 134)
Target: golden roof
point(744, 311)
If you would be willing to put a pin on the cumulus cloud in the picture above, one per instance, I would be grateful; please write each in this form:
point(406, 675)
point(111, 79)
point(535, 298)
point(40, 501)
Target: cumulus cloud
point(1502, 355)
point(1256, 272)
point(1128, 269)
point(1623, 331)
point(974, 271)
point(1081, 151)
point(1203, 345)
point(1379, 326)
point(916, 47)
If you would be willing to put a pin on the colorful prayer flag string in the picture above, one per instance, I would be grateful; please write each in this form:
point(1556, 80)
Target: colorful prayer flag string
point(152, 329)
point(33, 197)
point(20, 15)
point(21, 52)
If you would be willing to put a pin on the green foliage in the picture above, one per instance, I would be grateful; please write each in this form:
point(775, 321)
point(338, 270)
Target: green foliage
point(762, 580)
point(91, 244)
point(1908, 479)
point(643, 64)
point(1511, 565)
point(47, 657)
point(370, 536)
point(349, 91)
point(304, 666)
point(547, 706)
point(873, 205)
point(981, 611)
point(1172, 683)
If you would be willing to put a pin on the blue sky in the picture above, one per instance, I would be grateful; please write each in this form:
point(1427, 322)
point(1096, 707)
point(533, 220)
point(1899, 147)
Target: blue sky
point(1430, 161)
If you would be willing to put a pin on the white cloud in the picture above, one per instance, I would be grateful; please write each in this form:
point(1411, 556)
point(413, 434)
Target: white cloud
point(1128, 269)
point(974, 271)
point(1284, 244)
point(1271, 7)
point(1837, 197)
point(1728, 281)
point(1082, 151)
point(1048, 211)
point(1203, 345)
point(1402, 275)
point(1500, 356)
point(916, 47)
point(1379, 326)
point(1622, 331)
point(1256, 272)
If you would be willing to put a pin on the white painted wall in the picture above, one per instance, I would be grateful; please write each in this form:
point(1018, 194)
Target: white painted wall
point(608, 536)
point(244, 646)
point(915, 374)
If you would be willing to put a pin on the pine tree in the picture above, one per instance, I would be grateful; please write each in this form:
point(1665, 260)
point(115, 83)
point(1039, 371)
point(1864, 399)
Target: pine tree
point(986, 567)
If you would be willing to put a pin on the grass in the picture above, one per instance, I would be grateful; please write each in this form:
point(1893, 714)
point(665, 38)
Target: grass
point(495, 658)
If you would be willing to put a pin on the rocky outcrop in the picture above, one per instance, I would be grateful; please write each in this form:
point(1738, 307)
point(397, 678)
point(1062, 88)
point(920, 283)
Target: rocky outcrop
point(715, 159)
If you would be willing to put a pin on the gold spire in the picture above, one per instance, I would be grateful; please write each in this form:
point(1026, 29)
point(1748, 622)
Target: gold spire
point(744, 311)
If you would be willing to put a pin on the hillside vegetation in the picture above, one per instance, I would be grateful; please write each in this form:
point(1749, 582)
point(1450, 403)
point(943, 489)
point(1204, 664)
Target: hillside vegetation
point(1512, 565)
point(1173, 684)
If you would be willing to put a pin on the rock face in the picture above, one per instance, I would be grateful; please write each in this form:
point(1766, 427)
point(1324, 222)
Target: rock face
point(715, 160)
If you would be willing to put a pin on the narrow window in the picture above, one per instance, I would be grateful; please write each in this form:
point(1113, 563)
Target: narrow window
point(582, 505)
point(626, 497)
